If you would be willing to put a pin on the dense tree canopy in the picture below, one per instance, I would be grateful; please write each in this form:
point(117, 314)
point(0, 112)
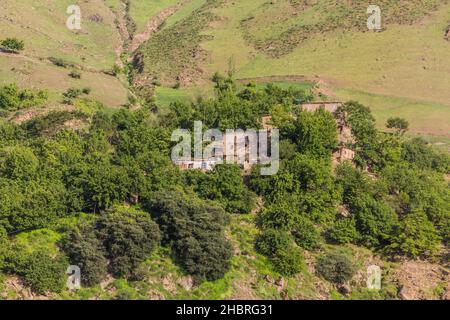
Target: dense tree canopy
point(116, 168)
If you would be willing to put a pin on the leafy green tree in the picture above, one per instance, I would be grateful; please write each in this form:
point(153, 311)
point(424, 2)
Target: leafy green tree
point(270, 241)
point(399, 124)
point(30, 204)
point(316, 133)
point(375, 221)
point(305, 182)
point(415, 237)
point(362, 123)
point(102, 185)
point(224, 184)
point(195, 231)
point(13, 44)
point(306, 234)
point(39, 270)
point(418, 153)
point(85, 251)
point(412, 189)
point(19, 163)
point(288, 261)
point(344, 231)
point(128, 236)
point(335, 267)
point(280, 215)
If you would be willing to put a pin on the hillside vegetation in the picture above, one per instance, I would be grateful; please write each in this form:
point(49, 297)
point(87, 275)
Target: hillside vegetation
point(106, 197)
point(405, 62)
point(86, 176)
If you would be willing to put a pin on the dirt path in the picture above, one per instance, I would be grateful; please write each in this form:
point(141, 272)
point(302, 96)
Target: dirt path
point(22, 56)
point(124, 35)
point(154, 24)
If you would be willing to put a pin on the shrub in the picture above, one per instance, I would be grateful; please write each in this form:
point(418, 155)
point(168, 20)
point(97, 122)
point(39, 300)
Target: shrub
point(306, 234)
point(86, 91)
point(75, 74)
point(335, 267)
point(72, 93)
point(344, 231)
point(39, 270)
point(399, 124)
point(85, 251)
point(61, 62)
point(12, 98)
point(270, 241)
point(128, 236)
point(287, 261)
point(13, 44)
point(195, 230)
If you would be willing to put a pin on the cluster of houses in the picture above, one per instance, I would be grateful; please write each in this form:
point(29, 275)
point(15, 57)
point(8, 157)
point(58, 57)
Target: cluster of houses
point(231, 149)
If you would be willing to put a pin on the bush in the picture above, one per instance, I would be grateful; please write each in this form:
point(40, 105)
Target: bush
point(13, 44)
point(288, 261)
point(399, 124)
point(128, 236)
point(39, 270)
point(344, 231)
point(75, 74)
point(85, 251)
point(270, 241)
point(335, 267)
point(306, 234)
point(195, 231)
point(415, 237)
point(12, 98)
point(61, 62)
point(72, 93)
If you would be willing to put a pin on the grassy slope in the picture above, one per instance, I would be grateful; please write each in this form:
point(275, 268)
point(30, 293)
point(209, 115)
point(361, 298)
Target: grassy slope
point(406, 65)
point(142, 10)
point(184, 12)
point(41, 24)
point(251, 275)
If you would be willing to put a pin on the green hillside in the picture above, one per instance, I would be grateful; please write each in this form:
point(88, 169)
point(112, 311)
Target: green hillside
point(406, 61)
point(87, 179)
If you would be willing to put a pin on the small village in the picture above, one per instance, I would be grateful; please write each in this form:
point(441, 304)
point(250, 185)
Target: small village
point(341, 154)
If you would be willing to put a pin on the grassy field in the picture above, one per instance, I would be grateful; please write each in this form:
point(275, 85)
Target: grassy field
point(142, 10)
point(184, 12)
point(402, 71)
point(41, 25)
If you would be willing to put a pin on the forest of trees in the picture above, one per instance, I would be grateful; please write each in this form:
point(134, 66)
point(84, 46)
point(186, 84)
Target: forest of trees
point(116, 179)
